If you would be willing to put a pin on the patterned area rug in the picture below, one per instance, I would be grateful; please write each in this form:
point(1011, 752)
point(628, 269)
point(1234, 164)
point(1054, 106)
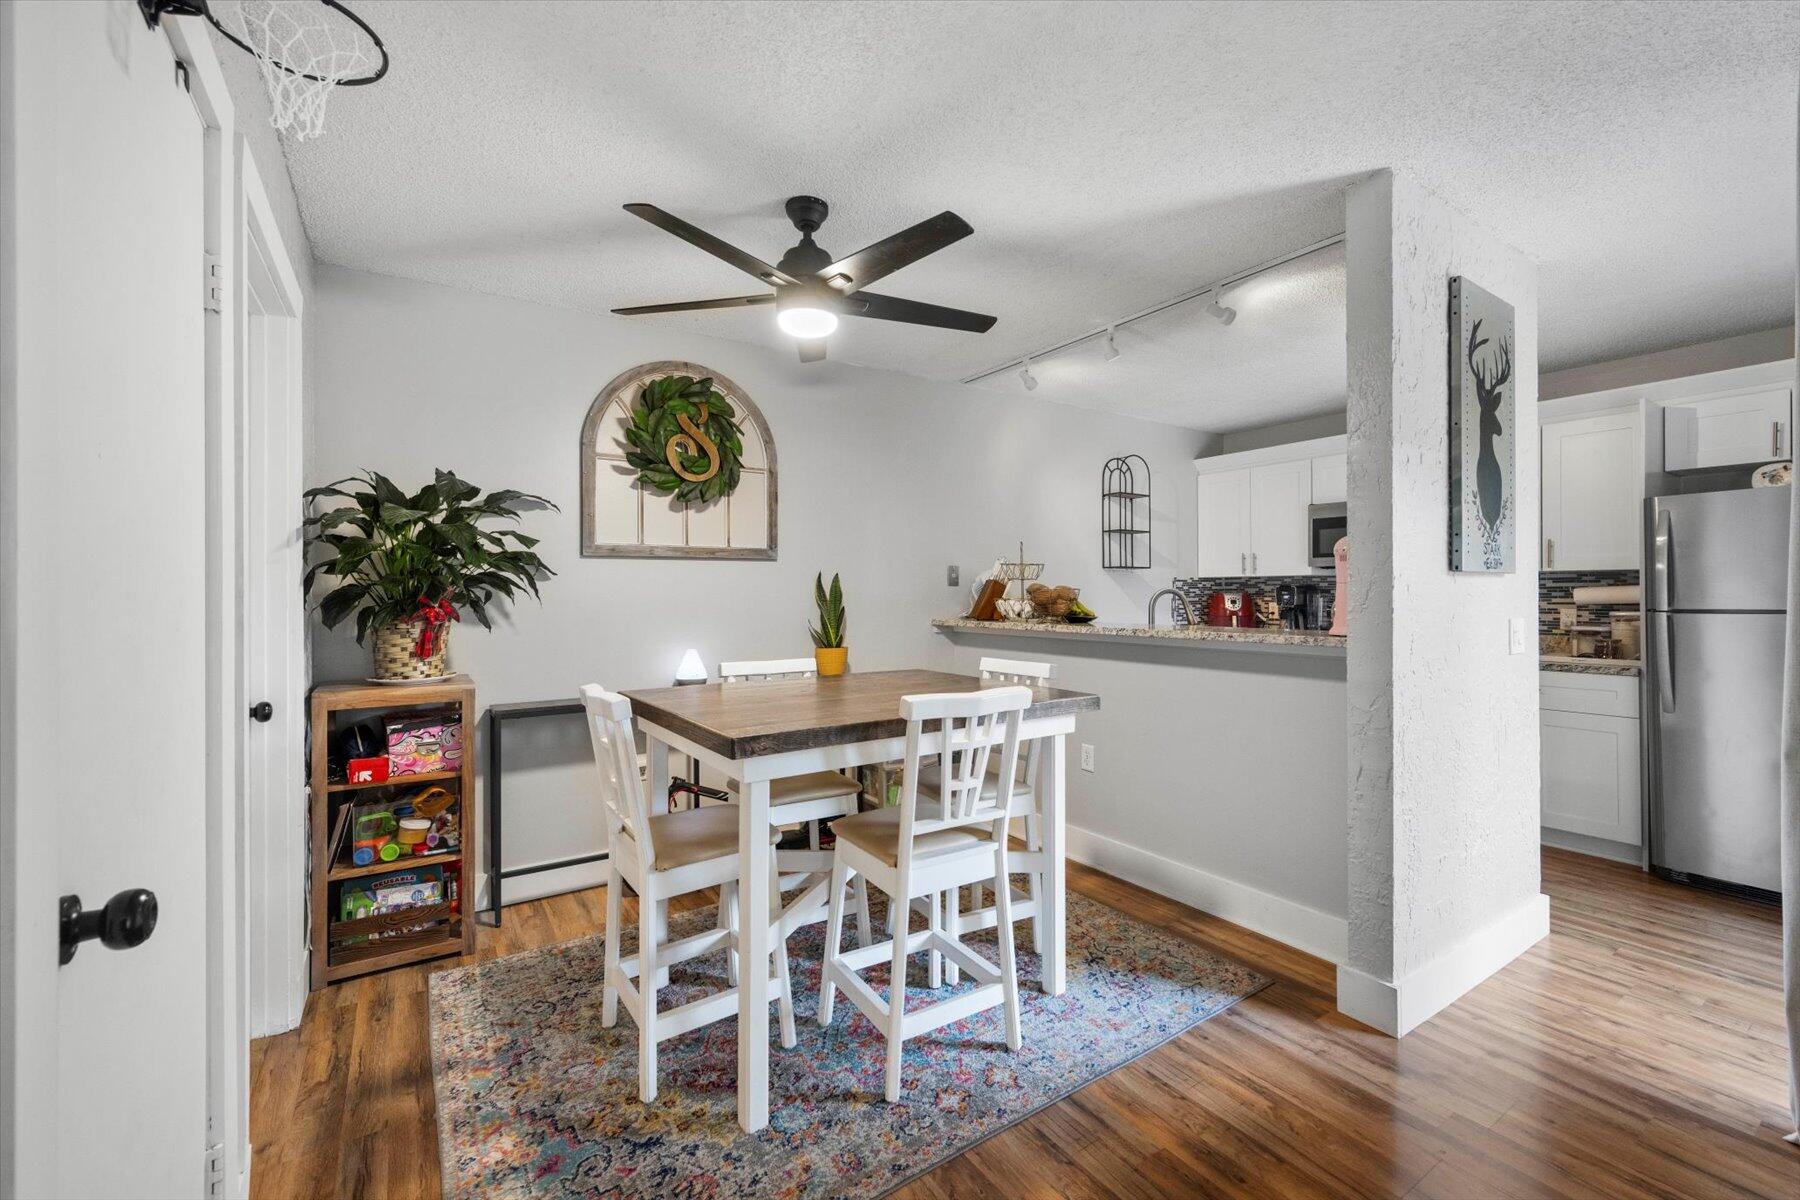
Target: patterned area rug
point(536, 1099)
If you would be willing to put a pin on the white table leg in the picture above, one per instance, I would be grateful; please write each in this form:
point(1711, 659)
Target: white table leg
point(658, 796)
point(1052, 908)
point(755, 864)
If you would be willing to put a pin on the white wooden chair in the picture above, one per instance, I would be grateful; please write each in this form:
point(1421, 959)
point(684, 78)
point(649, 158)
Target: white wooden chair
point(933, 843)
point(662, 857)
point(981, 913)
point(808, 799)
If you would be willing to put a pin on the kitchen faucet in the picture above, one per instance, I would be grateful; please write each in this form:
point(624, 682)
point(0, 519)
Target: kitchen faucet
point(1187, 610)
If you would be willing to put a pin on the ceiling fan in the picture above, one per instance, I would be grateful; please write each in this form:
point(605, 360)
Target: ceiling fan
point(811, 289)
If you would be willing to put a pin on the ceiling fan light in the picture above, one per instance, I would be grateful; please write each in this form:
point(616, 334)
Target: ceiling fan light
point(803, 314)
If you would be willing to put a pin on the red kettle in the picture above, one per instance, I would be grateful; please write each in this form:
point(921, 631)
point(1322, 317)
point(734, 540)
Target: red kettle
point(1234, 610)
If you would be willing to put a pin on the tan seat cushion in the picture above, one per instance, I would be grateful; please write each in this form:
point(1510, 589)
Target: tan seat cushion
point(877, 833)
point(816, 785)
point(700, 834)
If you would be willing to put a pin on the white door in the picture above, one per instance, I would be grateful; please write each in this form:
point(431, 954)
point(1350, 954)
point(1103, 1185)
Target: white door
point(1331, 479)
point(1736, 429)
point(1593, 493)
point(1590, 775)
point(1224, 524)
point(102, 604)
point(1279, 495)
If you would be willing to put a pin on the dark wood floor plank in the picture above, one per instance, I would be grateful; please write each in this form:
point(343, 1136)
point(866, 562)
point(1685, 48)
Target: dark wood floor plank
point(1638, 1052)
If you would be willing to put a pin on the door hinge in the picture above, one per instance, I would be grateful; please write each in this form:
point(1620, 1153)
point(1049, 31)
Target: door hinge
point(214, 295)
point(215, 1169)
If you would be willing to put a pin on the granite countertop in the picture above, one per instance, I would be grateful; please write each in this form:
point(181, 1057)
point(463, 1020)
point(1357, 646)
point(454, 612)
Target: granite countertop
point(1590, 666)
point(1300, 641)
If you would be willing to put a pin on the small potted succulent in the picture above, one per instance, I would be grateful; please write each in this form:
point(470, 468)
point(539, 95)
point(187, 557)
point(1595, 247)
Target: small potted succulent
point(829, 650)
point(407, 565)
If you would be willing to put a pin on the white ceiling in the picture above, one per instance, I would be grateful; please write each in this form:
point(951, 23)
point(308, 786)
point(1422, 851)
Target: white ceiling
point(1109, 156)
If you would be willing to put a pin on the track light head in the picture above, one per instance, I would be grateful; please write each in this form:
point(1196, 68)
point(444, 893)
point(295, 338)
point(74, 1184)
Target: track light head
point(1220, 311)
point(1111, 349)
point(1027, 378)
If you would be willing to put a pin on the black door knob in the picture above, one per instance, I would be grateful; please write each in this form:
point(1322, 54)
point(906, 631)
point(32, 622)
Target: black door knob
point(127, 920)
point(262, 710)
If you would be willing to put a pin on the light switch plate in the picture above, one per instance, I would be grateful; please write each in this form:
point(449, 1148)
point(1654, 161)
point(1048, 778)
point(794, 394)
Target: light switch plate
point(952, 577)
point(1515, 636)
point(1087, 756)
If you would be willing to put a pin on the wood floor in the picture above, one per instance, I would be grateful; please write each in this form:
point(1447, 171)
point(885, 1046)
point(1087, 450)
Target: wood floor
point(1636, 1052)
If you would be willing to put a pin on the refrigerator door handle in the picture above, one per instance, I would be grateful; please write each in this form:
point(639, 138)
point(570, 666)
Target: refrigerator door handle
point(1665, 669)
point(1659, 560)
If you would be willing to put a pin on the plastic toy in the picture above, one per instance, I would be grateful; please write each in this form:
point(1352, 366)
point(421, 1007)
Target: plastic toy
point(374, 838)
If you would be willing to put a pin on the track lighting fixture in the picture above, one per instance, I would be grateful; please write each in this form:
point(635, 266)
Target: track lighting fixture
point(1221, 312)
point(1111, 350)
point(1027, 378)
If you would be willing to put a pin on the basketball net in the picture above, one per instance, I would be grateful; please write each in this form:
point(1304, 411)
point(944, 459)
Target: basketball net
point(292, 40)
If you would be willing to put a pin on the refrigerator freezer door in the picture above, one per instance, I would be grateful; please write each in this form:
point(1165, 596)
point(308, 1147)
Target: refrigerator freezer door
point(1718, 551)
point(1713, 705)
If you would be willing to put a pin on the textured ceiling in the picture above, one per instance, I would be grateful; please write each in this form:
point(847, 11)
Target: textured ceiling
point(1109, 156)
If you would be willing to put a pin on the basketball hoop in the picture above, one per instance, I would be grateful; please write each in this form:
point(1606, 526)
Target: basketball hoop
point(304, 49)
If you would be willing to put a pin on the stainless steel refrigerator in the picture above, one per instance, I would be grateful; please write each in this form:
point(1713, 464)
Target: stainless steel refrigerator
point(1715, 619)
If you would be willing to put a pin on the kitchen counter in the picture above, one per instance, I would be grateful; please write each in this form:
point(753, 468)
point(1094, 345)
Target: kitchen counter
point(1291, 641)
point(1591, 666)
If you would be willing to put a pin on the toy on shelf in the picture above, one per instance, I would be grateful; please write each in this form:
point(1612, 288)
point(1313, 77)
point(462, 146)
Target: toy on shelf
point(423, 743)
point(372, 836)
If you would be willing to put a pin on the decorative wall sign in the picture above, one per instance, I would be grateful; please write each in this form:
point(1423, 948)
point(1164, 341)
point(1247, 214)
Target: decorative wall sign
point(1483, 492)
point(671, 470)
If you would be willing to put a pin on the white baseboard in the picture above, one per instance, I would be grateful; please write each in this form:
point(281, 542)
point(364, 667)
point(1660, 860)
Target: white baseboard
point(1581, 843)
point(1399, 1008)
point(1297, 925)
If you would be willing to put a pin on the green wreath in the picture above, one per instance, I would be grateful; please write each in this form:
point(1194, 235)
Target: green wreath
point(684, 439)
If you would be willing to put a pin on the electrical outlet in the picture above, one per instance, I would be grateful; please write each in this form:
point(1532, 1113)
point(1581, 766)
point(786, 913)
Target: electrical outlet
point(1515, 636)
point(952, 577)
point(1087, 756)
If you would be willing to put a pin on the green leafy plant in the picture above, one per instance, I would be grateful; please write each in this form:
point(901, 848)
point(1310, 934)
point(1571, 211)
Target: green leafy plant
point(828, 634)
point(684, 439)
point(390, 551)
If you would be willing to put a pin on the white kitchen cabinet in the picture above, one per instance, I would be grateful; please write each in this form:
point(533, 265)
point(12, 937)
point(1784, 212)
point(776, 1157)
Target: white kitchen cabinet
point(1224, 524)
point(1590, 773)
point(1330, 479)
point(1593, 493)
point(1279, 495)
point(1738, 428)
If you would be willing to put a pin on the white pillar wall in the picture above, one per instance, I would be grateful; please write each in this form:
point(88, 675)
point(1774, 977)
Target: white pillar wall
point(1443, 719)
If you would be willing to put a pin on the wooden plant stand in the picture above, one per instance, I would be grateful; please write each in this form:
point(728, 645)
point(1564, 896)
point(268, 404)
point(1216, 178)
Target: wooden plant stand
point(415, 934)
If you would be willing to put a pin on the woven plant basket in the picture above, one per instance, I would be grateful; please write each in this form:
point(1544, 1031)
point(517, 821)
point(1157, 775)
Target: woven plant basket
point(394, 657)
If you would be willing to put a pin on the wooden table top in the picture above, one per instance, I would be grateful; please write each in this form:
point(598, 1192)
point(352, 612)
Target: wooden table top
point(747, 720)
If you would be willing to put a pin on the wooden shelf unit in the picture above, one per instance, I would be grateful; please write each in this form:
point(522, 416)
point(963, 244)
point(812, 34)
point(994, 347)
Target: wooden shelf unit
point(331, 704)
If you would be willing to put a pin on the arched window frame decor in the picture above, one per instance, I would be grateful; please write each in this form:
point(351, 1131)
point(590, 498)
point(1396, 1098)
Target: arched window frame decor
point(623, 391)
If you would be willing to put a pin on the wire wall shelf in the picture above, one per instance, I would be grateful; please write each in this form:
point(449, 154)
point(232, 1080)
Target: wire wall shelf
point(1125, 514)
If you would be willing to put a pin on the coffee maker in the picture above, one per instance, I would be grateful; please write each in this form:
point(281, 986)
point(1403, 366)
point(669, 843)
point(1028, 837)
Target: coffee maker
point(1303, 605)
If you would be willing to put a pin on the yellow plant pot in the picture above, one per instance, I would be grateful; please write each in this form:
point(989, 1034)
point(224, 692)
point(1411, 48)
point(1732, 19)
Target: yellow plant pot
point(831, 660)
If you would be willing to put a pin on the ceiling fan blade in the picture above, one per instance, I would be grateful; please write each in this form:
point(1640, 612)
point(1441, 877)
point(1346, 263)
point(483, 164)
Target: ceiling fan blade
point(696, 305)
point(693, 234)
point(914, 312)
point(891, 253)
point(812, 350)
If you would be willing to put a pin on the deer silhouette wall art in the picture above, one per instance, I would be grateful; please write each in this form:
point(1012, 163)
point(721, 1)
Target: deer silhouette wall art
point(1481, 403)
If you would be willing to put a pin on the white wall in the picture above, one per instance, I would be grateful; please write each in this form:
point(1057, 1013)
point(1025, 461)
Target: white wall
point(884, 478)
point(1765, 346)
point(1443, 735)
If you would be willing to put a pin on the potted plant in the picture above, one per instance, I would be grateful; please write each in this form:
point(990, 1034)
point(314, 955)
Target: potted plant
point(406, 565)
point(828, 635)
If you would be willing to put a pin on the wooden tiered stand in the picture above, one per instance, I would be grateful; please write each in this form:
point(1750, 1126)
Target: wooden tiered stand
point(449, 932)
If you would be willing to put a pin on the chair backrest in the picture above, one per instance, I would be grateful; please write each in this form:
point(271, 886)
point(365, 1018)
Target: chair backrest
point(615, 754)
point(1015, 670)
point(971, 724)
point(749, 670)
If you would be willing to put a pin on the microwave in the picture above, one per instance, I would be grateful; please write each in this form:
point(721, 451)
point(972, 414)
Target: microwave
point(1325, 524)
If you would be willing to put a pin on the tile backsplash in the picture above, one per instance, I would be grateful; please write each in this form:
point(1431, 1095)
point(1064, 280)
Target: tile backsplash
point(1261, 588)
point(1555, 587)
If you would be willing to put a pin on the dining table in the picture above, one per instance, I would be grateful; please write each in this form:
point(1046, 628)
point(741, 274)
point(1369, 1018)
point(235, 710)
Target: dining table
point(755, 732)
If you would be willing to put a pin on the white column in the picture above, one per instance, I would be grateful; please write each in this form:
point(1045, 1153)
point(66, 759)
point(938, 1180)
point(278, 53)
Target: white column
point(1443, 720)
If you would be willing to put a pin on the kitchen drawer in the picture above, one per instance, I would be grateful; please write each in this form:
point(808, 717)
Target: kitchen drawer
point(1600, 695)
